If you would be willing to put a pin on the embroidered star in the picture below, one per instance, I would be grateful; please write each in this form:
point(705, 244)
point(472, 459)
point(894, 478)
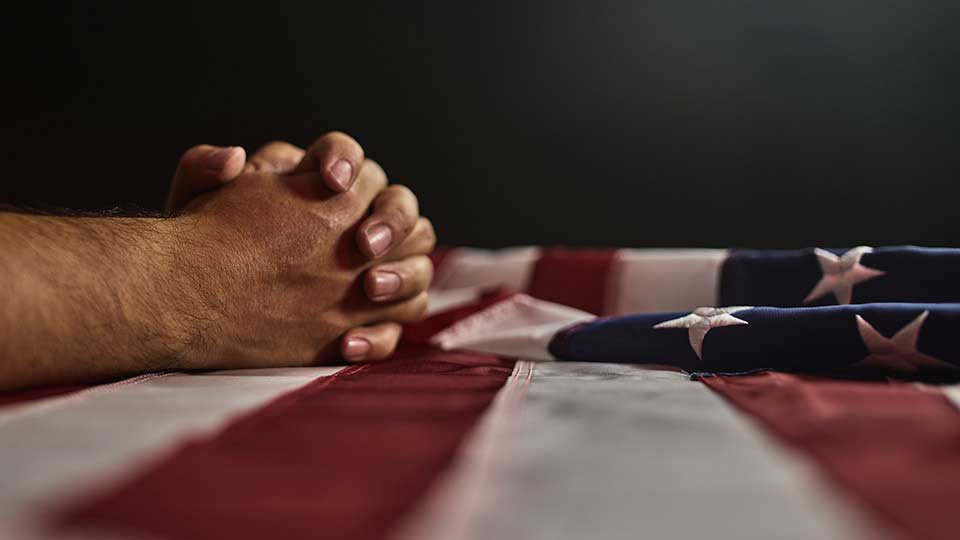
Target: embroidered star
point(702, 320)
point(841, 273)
point(898, 353)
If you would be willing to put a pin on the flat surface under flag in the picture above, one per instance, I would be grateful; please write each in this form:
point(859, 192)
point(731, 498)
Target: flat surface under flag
point(552, 393)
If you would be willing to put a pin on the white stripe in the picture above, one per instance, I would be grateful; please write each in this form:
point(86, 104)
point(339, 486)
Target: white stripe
point(42, 405)
point(440, 300)
point(641, 280)
point(659, 280)
point(465, 267)
point(616, 451)
point(952, 392)
point(520, 326)
point(465, 490)
point(69, 446)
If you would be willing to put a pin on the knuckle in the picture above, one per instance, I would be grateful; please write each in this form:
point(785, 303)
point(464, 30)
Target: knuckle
point(428, 232)
point(427, 271)
point(403, 198)
point(393, 331)
point(373, 168)
point(341, 141)
point(374, 174)
point(418, 270)
point(418, 306)
point(399, 219)
point(278, 152)
point(193, 153)
point(403, 192)
point(387, 341)
point(275, 145)
point(334, 136)
point(418, 280)
point(257, 164)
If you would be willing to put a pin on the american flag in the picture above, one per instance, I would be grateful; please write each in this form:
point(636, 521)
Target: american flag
point(551, 393)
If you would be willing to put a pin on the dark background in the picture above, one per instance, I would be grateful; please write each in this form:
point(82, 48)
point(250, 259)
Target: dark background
point(758, 123)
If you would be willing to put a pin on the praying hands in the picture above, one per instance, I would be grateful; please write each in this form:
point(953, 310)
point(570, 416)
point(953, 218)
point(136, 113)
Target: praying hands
point(287, 258)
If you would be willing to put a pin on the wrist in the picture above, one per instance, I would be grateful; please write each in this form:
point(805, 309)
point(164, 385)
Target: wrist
point(171, 305)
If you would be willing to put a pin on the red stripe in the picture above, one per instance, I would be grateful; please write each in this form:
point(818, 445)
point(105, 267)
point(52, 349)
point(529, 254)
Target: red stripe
point(420, 333)
point(343, 457)
point(26, 396)
point(574, 277)
point(440, 255)
point(895, 446)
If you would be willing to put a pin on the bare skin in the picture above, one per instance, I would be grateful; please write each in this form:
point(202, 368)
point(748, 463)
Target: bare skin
point(264, 270)
point(394, 216)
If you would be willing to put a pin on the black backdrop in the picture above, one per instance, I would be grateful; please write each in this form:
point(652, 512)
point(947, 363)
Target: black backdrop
point(752, 123)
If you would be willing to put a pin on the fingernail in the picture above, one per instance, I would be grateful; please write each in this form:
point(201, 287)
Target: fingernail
point(356, 348)
point(384, 285)
point(217, 160)
point(342, 172)
point(379, 238)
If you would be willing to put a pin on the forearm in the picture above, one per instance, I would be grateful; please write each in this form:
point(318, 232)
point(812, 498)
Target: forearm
point(85, 299)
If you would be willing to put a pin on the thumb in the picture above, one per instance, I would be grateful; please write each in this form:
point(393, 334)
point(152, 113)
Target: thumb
point(202, 169)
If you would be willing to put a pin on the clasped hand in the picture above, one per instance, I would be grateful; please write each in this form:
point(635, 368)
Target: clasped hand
point(294, 257)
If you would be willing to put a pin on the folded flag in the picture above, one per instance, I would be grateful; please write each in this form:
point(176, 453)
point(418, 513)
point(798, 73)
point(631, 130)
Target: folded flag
point(796, 310)
point(891, 339)
point(818, 277)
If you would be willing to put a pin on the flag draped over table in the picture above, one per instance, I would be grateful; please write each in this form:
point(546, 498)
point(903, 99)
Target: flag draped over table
point(460, 435)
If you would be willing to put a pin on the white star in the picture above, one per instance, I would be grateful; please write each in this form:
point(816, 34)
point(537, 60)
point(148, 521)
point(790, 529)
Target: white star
point(702, 320)
point(840, 274)
point(898, 353)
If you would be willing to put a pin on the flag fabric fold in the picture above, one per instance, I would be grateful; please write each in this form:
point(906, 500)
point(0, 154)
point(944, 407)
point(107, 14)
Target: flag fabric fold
point(798, 310)
point(873, 339)
point(459, 435)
